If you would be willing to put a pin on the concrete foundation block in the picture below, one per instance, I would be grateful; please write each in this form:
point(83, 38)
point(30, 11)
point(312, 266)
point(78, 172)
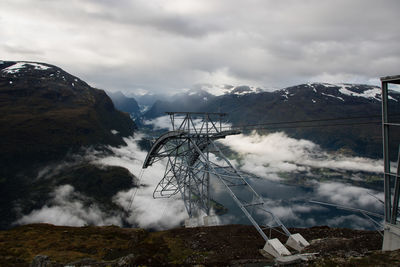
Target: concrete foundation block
point(297, 242)
point(275, 248)
point(194, 222)
point(391, 237)
point(211, 220)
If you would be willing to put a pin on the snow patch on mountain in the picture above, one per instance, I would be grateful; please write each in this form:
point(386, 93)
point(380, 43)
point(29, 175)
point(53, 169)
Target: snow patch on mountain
point(373, 93)
point(312, 86)
point(338, 97)
point(339, 91)
point(20, 65)
point(225, 89)
point(285, 93)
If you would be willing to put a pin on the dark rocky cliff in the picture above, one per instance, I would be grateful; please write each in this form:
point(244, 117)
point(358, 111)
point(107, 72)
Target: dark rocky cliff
point(46, 114)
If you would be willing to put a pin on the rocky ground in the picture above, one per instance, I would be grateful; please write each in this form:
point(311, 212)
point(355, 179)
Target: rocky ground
point(230, 245)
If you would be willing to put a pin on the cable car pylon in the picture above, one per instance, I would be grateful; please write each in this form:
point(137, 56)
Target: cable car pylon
point(193, 158)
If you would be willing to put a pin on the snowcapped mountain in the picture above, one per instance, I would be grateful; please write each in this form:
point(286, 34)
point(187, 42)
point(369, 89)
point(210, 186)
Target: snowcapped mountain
point(218, 90)
point(201, 99)
point(304, 102)
point(337, 91)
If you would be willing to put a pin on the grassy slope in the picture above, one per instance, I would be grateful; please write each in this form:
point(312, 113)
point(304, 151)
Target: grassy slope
point(219, 245)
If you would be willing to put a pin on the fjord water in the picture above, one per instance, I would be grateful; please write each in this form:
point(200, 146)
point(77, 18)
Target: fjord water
point(291, 204)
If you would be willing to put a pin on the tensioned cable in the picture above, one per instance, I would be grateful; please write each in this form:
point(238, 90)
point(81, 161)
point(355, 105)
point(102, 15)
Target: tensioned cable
point(255, 126)
point(137, 188)
point(304, 121)
point(310, 126)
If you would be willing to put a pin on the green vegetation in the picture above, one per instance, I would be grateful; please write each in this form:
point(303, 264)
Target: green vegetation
point(211, 246)
point(63, 244)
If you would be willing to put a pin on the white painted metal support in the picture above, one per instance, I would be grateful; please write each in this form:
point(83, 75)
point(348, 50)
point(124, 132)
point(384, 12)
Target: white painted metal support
point(391, 239)
point(211, 220)
point(194, 222)
point(275, 248)
point(297, 242)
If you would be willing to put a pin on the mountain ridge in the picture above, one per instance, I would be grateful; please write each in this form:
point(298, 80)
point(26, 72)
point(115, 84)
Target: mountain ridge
point(47, 116)
point(304, 102)
point(124, 103)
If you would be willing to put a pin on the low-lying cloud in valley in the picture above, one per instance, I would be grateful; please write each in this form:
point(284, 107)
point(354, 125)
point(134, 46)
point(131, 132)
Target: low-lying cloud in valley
point(266, 156)
point(344, 194)
point(145, 211)
point(67, 208)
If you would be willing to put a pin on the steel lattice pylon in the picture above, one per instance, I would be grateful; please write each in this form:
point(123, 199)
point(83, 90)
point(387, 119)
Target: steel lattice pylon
point(193, 158)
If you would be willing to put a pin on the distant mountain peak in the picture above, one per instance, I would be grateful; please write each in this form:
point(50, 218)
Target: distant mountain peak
point(197, 92)
point(226, 89)
point(340, 91)
point(17, 66)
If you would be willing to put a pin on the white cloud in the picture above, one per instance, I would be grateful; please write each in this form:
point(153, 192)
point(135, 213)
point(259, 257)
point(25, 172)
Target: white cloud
point(163, 122)
point(263, 155)
point(66, 208)
point(294, 213)
point(350, 221)
point(348, 195)
point(145, 210)
point(152, 213)
point(267, 155)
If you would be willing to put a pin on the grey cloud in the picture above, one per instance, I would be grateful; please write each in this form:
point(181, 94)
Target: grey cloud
point(164, 46)
point(151, 14)
point(21, 50)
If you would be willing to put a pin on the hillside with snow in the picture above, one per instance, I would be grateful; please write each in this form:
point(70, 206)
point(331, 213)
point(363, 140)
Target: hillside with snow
point(305, 102)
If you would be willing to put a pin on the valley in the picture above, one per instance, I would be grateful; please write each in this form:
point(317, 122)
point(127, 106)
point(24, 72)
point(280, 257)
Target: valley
point(88, 174)
point(199, 133)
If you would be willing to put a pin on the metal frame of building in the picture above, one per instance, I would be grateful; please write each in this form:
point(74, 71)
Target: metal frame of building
point(391, 239)
point(193, 158)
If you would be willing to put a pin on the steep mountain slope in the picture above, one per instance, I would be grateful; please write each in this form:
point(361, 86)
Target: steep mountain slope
point(124, 103)
point(47, 112)
point(46, 115)
point(146, 101)
point(318, 101)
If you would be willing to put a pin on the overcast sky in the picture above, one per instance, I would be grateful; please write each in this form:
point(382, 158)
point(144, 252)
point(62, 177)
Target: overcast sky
point(169, 45)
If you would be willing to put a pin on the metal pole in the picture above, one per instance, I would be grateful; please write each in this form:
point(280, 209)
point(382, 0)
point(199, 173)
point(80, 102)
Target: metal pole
point(385, 129)
point(396, 192)
point(207, 168)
